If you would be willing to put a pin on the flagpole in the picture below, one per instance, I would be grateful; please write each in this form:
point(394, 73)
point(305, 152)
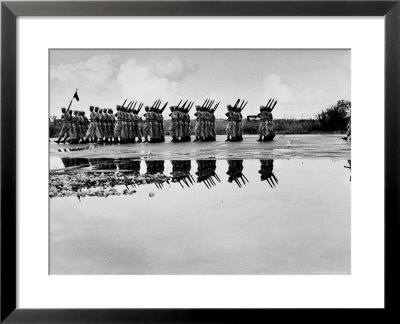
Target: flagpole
point(71, 100)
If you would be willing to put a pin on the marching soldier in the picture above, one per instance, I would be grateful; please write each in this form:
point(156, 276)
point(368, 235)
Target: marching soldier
point(160, 126)
point(269, 123)
point(98, 123)
point(180, 123)
point(101, 126)
point(262, 128)
point(65, 125)
point(85, 122)
point(74, 137)
point(118, 124)
point(130, 127)
point(154, 134)
point(146, 125)
point(212, 126)
point(186, 126)
point(197, 126)
point(81, 126)
point(173, 129)
point(229, 125)
point(136, 126)
point(110, 125)
point(92, 133)
point(238, 117)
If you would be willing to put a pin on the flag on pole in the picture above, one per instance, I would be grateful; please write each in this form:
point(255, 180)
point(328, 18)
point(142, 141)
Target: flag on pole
point(76, 95)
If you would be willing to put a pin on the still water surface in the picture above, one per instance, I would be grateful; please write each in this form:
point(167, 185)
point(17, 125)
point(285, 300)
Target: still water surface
point(201, 217)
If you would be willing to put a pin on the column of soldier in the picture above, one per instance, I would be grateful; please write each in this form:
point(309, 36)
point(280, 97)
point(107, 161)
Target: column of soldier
point(126, 126)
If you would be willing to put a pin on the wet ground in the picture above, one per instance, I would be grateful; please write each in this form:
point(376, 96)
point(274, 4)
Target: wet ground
point(282, 147)
point(131, 213)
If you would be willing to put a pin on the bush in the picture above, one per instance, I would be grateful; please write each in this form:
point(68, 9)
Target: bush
point(336, 117)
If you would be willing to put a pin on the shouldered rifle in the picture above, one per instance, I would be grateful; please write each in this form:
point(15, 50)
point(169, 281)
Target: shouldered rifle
point(241, 108)
point(190, 106)
point(273, 106)
point(140, 107)
point(162, 109)
point(184, 104)
point(236, 104)
point(124, 103)
point(215, 108)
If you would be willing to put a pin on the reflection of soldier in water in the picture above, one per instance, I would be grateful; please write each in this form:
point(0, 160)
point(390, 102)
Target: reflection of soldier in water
point(181, 172)
point(235, 172)
point(206, 172)
point(73, 162)
point(154, 167)
point(103, 164)
point(266, 171)
point(133, 166)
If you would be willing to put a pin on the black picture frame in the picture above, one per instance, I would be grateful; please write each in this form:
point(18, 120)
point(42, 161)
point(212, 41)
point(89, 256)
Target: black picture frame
point(10, 10)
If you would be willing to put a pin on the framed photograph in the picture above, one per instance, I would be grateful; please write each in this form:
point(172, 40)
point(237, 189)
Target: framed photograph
point(198, 161)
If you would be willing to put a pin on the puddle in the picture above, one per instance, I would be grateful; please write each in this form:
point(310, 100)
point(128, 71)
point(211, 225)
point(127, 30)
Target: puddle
point(133, 216)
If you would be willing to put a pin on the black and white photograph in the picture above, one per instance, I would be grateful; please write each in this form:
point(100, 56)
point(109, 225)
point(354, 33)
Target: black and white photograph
point(199, 161)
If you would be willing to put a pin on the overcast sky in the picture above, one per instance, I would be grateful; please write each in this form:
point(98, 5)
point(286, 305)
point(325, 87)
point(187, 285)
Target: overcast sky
point(303, 81)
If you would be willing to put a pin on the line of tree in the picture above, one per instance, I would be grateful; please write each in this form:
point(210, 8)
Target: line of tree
point(336, 117)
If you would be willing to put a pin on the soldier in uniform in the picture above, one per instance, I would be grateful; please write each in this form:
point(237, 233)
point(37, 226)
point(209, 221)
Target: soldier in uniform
point(173, 129)
point(65, 126)
point(160, 122)
point(269, 126)
point(92, 133)
point(118, 125)
point(186, 126)
point(98, 124)
point(136, 126)
point(146, 125)
point(154, 133)
point(212, 126)
point(85, 122)
point(180, 123)
point(197, 125)
point(262, 128)
point(131, 136)
point(205, 125)
point(125, 133)
point(101, 126)
point(110, 125)
point(74, 138)
point(81, 127)
point(239, 118)
point(229, 125)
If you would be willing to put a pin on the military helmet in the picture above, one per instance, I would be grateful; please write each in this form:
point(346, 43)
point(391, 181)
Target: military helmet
point(83, 113)
point(75, 112)
point(70, 112)
point(91, 108)
point(63, 109)
point(96, 109)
